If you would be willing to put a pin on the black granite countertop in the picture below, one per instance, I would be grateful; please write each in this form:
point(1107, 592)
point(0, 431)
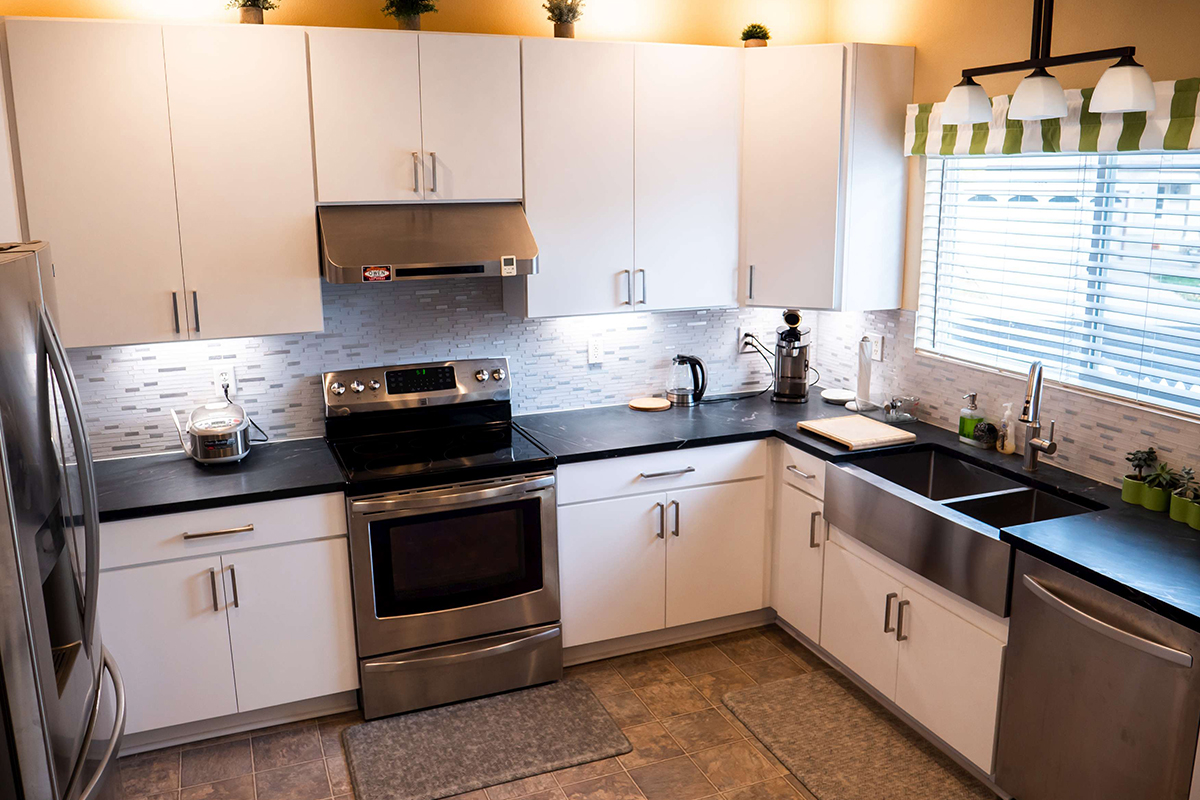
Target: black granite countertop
point(149, 485)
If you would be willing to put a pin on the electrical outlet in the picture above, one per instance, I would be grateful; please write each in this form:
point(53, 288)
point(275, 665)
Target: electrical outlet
point(743, 341)
point(222, 375)
point(595, 350)
point(876, 340)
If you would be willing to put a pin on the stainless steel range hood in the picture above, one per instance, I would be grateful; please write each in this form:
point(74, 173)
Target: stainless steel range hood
point(382, 243)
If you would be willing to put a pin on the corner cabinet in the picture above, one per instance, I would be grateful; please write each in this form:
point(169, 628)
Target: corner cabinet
point(824, 180)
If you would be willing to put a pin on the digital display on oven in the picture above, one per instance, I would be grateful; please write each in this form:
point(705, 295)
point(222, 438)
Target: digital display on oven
point(422, 379)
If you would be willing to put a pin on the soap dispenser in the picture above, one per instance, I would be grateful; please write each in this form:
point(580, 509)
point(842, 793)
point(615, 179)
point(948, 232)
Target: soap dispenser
point(968, 418)
point(1006, 442)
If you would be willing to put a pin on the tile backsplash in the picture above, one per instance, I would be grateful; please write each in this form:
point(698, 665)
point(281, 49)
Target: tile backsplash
point(128, 391)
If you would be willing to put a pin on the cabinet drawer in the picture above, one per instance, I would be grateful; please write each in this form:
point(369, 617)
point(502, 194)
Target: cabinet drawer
point(660, 472)
point(150, 539)
point(803, 470)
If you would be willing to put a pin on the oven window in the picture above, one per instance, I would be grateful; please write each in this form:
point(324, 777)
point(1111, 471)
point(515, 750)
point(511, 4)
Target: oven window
point(453, 559)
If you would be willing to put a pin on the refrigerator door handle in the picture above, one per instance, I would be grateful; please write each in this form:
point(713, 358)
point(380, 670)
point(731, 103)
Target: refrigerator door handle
point(96, 783)
point(87, 477)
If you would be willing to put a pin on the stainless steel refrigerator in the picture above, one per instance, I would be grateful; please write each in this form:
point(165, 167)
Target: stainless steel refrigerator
point(62, 709)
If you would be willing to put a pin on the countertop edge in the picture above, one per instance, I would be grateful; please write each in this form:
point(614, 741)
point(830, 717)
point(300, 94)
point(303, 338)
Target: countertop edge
point(221, 501)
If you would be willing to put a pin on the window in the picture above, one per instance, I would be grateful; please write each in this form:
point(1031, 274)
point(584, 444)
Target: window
point(1090, 263)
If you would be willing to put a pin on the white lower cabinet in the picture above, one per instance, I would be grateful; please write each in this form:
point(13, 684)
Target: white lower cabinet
point(800, 562)
point(161, 625)
point(940, 668)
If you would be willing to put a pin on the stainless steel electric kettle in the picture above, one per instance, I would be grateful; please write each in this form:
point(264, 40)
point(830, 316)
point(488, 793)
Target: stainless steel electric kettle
point(687, 380)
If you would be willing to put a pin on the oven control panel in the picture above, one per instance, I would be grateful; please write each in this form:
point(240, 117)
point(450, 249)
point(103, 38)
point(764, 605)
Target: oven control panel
point(416, 385)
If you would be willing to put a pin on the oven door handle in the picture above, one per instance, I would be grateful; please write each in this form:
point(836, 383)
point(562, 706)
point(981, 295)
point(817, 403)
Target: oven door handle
point(440, 498)
point(424, 661)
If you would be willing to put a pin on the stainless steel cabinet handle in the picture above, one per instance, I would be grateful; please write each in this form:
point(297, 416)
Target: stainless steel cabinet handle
point(628, 287)
point(416, 172)
point(887, 612)
point(175, 311)
point(662, 520)
point(433, 159)
point(750, 293)
point(233, 582)
point(187, 537)
point(675, 530)
point(196, 310)
point(794, 470)
point(212, 579)
point(1104, 629)
point(643, 272)
point(901, 636)
point(669, 473)
point(812, 529)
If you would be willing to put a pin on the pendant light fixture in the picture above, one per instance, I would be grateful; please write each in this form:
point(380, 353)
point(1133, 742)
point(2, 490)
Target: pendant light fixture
point(1125, 86)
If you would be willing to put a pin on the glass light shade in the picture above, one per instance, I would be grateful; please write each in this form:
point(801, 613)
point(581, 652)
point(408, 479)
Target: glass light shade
point(1123, 87)
point(1040, 96)
point(966, 104)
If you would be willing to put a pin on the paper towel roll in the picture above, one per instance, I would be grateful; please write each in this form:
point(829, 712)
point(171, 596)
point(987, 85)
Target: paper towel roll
point(862, 397)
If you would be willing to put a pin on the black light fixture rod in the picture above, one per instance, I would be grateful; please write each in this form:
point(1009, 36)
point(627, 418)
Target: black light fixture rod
point(1035, 46)
point(1047, 27)
point(1051, 61)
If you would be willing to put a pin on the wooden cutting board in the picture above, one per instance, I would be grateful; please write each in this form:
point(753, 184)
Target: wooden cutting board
point(858, 432)
point(650, 404)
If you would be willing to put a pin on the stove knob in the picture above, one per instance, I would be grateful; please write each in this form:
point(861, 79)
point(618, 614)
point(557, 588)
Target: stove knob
point(357, 386)
point(338, 389)
point(481, 375)
point(373, 385)
point(498, 374)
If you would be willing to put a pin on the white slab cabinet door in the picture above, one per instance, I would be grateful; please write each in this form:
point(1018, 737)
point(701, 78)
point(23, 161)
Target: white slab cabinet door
point(291, 622)
point(612, 568)
point(856, 626)
point(471, 116)
point(578, 178)
point(165, 624)
point(244, 178)
point(716, 551)
point(798, 572)
point(366, 111)
point(90, 99)
point(688, 160)
point(949, 677)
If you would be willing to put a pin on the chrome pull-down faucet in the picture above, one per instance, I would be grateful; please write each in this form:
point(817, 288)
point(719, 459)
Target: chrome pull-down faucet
point(1031, 416)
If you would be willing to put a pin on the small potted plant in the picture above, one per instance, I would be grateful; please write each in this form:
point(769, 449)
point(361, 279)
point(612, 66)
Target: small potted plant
point(1160, 483)
point(756, 35)
point(1135, 483)
point(251, 11)
point(1184, 497)
point(564, 14)
point(408, 12)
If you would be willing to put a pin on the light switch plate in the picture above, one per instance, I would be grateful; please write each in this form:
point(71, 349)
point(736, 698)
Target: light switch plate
point(222, 374)
point(876, 345)
point(595, 350)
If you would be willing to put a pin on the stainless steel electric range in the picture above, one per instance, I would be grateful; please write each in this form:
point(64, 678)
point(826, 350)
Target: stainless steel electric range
point(453, 534)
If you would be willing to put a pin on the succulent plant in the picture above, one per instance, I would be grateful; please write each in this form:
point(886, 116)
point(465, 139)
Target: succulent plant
point(409, 8)
point(1186, 484)
point(756, 31)
point(564, 12)
point(1141, 460)
point(265, 5)
point(1163, 477)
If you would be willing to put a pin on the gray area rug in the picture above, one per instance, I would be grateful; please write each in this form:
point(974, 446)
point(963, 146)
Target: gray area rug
point(843, 745)
point(459, 748)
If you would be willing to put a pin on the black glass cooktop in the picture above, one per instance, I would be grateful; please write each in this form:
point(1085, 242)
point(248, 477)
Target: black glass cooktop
point(425, 457)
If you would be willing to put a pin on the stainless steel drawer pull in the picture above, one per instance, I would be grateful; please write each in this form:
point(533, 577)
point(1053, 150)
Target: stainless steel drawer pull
point(175, 311)
point(812, 530)
point(643, 273)
point(187, 537)
point(887, 612)
point(212, 580)
point(233, 582)
point(750, 291)
point(675, 530)
point(901, 636)
point(662, 520)
point(795, 471)
point(669, 473)
point(196, 309)
point(416, 173)
point(433, 159)
point(628, 287)
point(1104, 629)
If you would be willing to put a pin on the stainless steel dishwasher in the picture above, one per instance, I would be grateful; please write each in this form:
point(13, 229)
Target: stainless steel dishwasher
point(1101, 698)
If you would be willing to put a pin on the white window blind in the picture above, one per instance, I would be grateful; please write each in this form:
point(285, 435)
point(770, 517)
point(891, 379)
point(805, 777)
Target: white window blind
point(1089, 263)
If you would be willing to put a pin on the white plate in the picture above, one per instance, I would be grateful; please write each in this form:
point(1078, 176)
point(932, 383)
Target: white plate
point(839, 397)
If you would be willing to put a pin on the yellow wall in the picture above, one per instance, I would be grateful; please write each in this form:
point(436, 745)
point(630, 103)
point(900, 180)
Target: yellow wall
point(683, 21)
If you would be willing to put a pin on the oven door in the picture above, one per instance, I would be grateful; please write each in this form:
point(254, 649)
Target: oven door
point(439, 565)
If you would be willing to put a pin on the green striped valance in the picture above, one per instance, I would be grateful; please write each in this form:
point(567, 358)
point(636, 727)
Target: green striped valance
point(1171, 126)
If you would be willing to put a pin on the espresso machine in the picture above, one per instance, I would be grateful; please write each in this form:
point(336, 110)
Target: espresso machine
point(792, 346)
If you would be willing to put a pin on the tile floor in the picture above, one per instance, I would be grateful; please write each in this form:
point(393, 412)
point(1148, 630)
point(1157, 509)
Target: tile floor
point(687, 745)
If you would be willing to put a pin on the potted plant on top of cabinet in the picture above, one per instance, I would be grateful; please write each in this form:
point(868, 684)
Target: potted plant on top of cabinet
point(1156, 496)
point(564, 14)
point(251, 11)
point(1183, 499)
point(756, 35)
point(408, 12)
point(1134, 483)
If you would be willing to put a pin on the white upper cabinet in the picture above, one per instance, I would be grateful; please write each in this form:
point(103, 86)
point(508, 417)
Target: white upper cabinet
point(366, 110)
point(95, 141)
point(824, 178)
point(687, 157)
point(471, 116)
point(240, 127)
point(579, 195)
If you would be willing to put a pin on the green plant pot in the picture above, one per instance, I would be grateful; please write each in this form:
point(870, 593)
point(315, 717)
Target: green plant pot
point(1181, 508)
point(1194, 516)
point(1131, 490)
point(1154, 499)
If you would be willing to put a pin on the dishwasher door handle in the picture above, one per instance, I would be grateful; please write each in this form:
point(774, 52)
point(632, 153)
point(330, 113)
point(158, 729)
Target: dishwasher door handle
point(1104, 629)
